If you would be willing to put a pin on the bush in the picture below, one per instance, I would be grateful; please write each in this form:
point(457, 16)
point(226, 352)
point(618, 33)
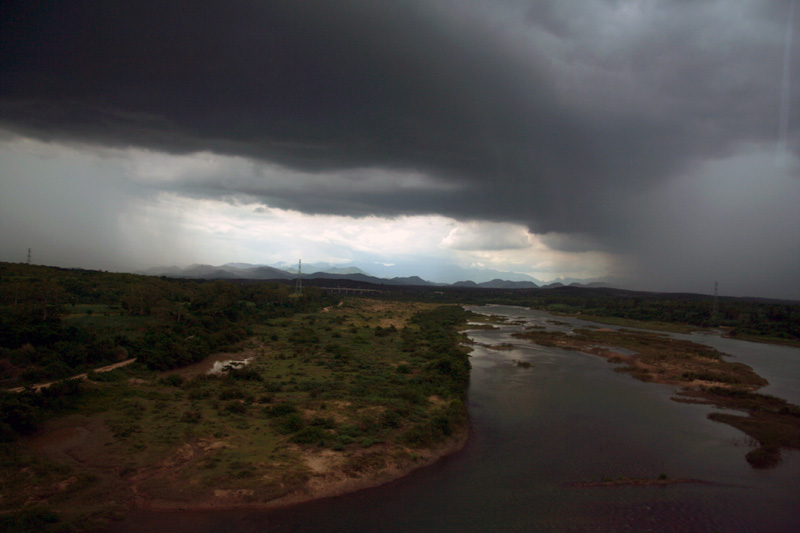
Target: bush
point(390, 419)
point(7, 433)
point(419, 435)
point(310, 435)
point(173, 380)
point(291, 423)
point(236, 407)
point(29, 520)
point(199, 394)
point(245, 374)
point(381, 332)
point(192, 417)
point(323, 422)
point(231, 394)
point(273, 386)
point(282, 409)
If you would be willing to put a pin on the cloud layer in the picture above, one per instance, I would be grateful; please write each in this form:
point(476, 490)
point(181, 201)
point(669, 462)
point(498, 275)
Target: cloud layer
point(569, 118)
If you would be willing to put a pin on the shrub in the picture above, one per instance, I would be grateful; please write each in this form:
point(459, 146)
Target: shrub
point(390, 419)
point(310, 435)
point(236, 408)
point(273, 386)
point(231, 394)
point(282, 409)
point(199, 394)
point(323, 422)
point(173, 380)
point(291, 423)
point(192, 417)
point(245, 374)
point(37, 519)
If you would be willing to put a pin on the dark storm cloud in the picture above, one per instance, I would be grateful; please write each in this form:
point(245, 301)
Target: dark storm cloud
point(534, 112)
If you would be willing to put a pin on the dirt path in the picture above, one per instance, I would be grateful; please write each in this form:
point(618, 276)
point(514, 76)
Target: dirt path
point(39, 386)
point(325, 310)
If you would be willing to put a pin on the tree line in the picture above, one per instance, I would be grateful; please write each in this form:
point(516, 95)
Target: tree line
point(58, 322)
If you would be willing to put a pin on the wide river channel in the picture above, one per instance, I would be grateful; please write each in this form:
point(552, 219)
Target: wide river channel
point(539, 429)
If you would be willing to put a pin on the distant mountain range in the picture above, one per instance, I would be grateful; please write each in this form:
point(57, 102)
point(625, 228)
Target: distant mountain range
point(475, 278)
point(226, 271)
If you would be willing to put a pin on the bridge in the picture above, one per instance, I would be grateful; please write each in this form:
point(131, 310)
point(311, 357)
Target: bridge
point(350, 290)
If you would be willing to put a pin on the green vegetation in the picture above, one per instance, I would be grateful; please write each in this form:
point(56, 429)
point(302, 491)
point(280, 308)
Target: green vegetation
point(21, 413)
point(332, 391)
point(653, 325)
point(741, 318)
point(55, 323)
point(341, 392)
point(744, 318)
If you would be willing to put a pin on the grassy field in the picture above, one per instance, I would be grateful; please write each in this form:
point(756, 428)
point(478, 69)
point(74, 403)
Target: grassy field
point(329, 401)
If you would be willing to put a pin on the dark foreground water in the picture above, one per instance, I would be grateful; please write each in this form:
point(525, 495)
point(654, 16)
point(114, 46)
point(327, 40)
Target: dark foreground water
point(568, 418)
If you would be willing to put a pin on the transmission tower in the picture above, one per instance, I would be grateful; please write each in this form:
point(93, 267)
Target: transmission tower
point(29, 256)
point(715, 311)
point(298, 288)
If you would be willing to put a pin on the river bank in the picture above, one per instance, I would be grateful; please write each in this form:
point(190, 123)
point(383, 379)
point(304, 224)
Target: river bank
point(331, 475)
point(536, 430)
point(703, 375)
point(329, 403)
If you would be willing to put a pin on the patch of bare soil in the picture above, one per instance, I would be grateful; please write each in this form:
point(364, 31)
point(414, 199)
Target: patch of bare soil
point(254, 349)
point(387, 313)
point(88, 446)
point(76, 440)
point(327, 309)
point(89, 474)
point(327, 473)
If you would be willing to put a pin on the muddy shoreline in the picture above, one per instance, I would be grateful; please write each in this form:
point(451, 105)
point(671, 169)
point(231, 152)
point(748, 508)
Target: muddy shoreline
point(327, 485)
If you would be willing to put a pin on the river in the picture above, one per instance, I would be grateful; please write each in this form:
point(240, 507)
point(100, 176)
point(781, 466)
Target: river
point(537, 430)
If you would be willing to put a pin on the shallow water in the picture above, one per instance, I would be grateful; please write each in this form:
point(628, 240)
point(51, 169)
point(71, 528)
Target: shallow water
point(780, 365)
point(568, 418)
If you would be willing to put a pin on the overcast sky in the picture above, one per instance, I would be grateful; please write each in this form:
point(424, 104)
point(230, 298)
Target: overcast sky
point(652, 141)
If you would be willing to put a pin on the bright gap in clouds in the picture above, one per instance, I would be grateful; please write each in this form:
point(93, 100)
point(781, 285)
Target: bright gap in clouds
point(223, 232)
point(132, 209)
